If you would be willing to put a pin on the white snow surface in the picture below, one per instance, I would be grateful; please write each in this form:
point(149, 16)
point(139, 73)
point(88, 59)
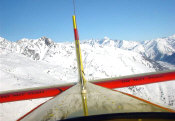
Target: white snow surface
point(42, 62)
point(155, 49)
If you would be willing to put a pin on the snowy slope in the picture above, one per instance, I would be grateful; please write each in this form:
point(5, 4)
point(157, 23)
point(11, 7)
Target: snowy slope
point(41, 62)
point(160, 49)
point(19, 72)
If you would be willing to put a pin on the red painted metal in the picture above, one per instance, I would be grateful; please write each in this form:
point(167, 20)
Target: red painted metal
point(32, 94)
point(76, 34)
point(114, 83)
point(140, 80)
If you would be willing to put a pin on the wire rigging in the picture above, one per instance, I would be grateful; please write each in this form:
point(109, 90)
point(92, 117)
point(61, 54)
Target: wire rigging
point(74, 6)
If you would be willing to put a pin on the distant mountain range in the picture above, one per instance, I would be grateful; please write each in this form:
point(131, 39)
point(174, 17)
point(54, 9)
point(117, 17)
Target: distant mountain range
point(42, 62)
point(161, 49)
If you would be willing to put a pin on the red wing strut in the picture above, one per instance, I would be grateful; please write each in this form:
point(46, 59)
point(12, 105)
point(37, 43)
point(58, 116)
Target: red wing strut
point(32, 93)
point(139, 79)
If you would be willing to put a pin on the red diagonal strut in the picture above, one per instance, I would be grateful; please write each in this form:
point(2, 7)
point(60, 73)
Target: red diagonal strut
point(138, 80)
point(32, 94)
point(108, 83)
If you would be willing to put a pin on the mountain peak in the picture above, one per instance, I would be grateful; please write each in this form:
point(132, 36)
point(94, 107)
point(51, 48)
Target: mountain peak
point(2, 39)
point(47, 41)
point(106, 38)
point(172, 36)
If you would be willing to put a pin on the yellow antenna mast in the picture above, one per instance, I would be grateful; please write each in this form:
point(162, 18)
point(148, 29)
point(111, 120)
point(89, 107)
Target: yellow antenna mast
point(82, 79)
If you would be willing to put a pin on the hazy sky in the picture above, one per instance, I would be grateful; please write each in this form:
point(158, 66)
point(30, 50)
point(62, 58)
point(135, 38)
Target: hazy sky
point(117, 19)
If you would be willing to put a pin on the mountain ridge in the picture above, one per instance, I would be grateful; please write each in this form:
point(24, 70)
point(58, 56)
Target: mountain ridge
point(43, 48)
point(41, 62)
point(160, 49)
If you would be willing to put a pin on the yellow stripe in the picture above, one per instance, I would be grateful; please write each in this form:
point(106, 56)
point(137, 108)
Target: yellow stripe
point(81, 71)
point(84, 79)
point(74, 22)
point(85, 108)
point(81, 62)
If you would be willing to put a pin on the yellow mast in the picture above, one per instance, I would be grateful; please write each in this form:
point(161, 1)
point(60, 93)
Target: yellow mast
point(82, 79)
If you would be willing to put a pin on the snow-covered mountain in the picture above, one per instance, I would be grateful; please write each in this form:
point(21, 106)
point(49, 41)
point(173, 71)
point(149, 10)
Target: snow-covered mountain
point(41, 62)
point(100, 60)
point(160, 49)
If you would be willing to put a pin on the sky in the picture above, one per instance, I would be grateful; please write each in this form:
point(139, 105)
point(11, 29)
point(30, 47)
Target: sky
point(117, 19)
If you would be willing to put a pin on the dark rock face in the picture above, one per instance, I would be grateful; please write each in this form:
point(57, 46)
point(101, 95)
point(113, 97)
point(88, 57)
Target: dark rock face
point(156, 65)
point(169, 58)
